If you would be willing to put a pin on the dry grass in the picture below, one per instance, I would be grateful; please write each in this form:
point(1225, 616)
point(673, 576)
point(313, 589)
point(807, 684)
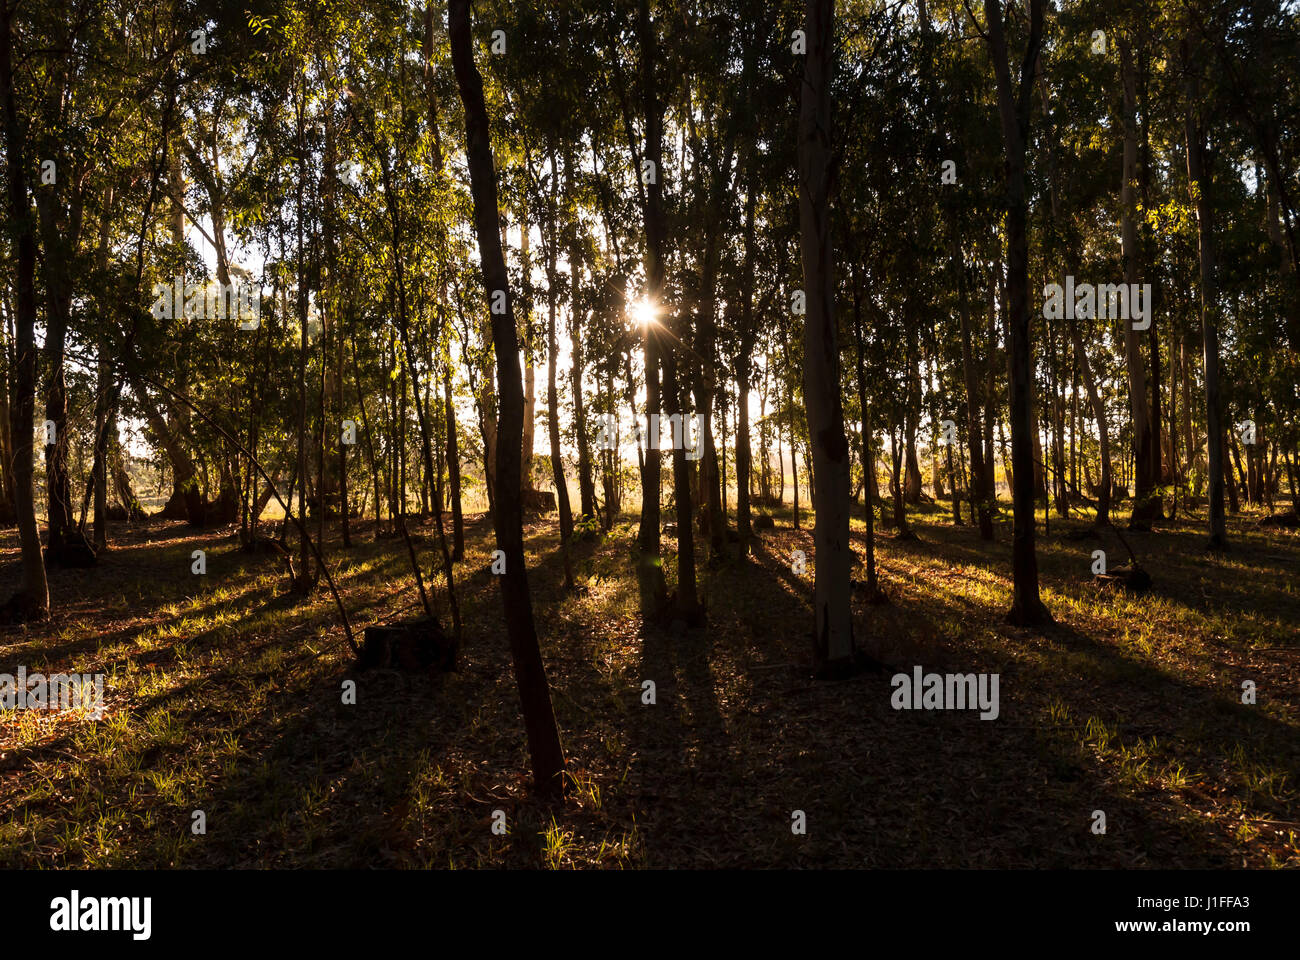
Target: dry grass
point(225, 696)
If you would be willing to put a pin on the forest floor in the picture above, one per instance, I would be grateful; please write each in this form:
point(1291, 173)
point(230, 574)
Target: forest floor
point(224, 695)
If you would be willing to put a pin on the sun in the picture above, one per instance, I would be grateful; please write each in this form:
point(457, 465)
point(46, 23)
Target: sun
point(643, 312)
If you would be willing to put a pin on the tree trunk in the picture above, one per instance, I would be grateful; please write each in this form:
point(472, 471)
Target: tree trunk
point(954, 482)
point(833, 640)
point(980, 481)
point(32, 600)
point(453, 468)
point(304, 581)
point(107, 392)
point(990, 410)
point(705, 390)
point(186, 496)
point(1099, 416)
point(530, 371)
point(99, 471)
point(1014, 110)
point(686, 604)
point(1056, 411)
point(1201, 185)
point(370, 440)
point(654, 590)
point(1234, 506)
point(122, 480)
point(58, 299)
point(868, 454)
point(744, 455)
point(897, 456)
point(1287, 278)
point(911, 414)
point(586, 485)
point(1146, 500)
point(530, 673)
point(552, 396)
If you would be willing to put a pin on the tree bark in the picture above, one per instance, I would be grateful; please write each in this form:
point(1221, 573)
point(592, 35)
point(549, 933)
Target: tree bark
point(833, 639)
point(58, 246)
point(911, 414)
point(1201, 185)
point(586, 484)
point(981, 487)
point(1146, 500)
point(868, 453)
point(530, 370)
point(530, 673)
point(32, 600)
point(1014, 110)
point(304, 581)
point(654, 589)
point(552, 394)
point(453, 468)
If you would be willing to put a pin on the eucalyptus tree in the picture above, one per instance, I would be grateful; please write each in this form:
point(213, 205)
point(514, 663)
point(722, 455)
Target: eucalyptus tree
point(1015, 103)
point(32, 600)
point(833, 636)
point(1201, 186)
point(530, 673)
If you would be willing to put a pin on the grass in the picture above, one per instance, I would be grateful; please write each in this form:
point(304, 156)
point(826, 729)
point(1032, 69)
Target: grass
point(224, 695)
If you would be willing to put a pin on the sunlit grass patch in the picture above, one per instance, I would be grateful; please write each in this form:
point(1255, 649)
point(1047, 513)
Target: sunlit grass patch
point(227, 699)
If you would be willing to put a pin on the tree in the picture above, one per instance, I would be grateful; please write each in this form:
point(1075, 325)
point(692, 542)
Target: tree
point(530, 673)
point(1201, 184)
point(1014, 104)
point(833, 637)
point(648, 164)
point(32, 600)
point(1146, 499)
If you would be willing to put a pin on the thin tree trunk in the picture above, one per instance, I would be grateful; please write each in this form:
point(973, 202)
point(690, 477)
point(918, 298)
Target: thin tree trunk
point(32, 600)
point(833, 640)
point(1014, 110)
point(370, 443)
point(1234, 506)
point(1146, 500)
point(1202, 186)
point(530, 370)
point(1099, 416)
point(305, 581)
point(530, 673)
point(911, 414)
point(868, 454)
point(552, 395)
point(58, 299)
point(586, 485)
point(980, 482)
point(453, 468)
point(654, 590)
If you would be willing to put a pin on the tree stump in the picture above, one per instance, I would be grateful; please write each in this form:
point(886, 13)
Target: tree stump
point(537, 501)
point(419, 645)
point(72, 549)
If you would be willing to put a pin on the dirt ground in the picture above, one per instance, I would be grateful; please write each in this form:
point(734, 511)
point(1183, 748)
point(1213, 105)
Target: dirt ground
point(225, 695)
